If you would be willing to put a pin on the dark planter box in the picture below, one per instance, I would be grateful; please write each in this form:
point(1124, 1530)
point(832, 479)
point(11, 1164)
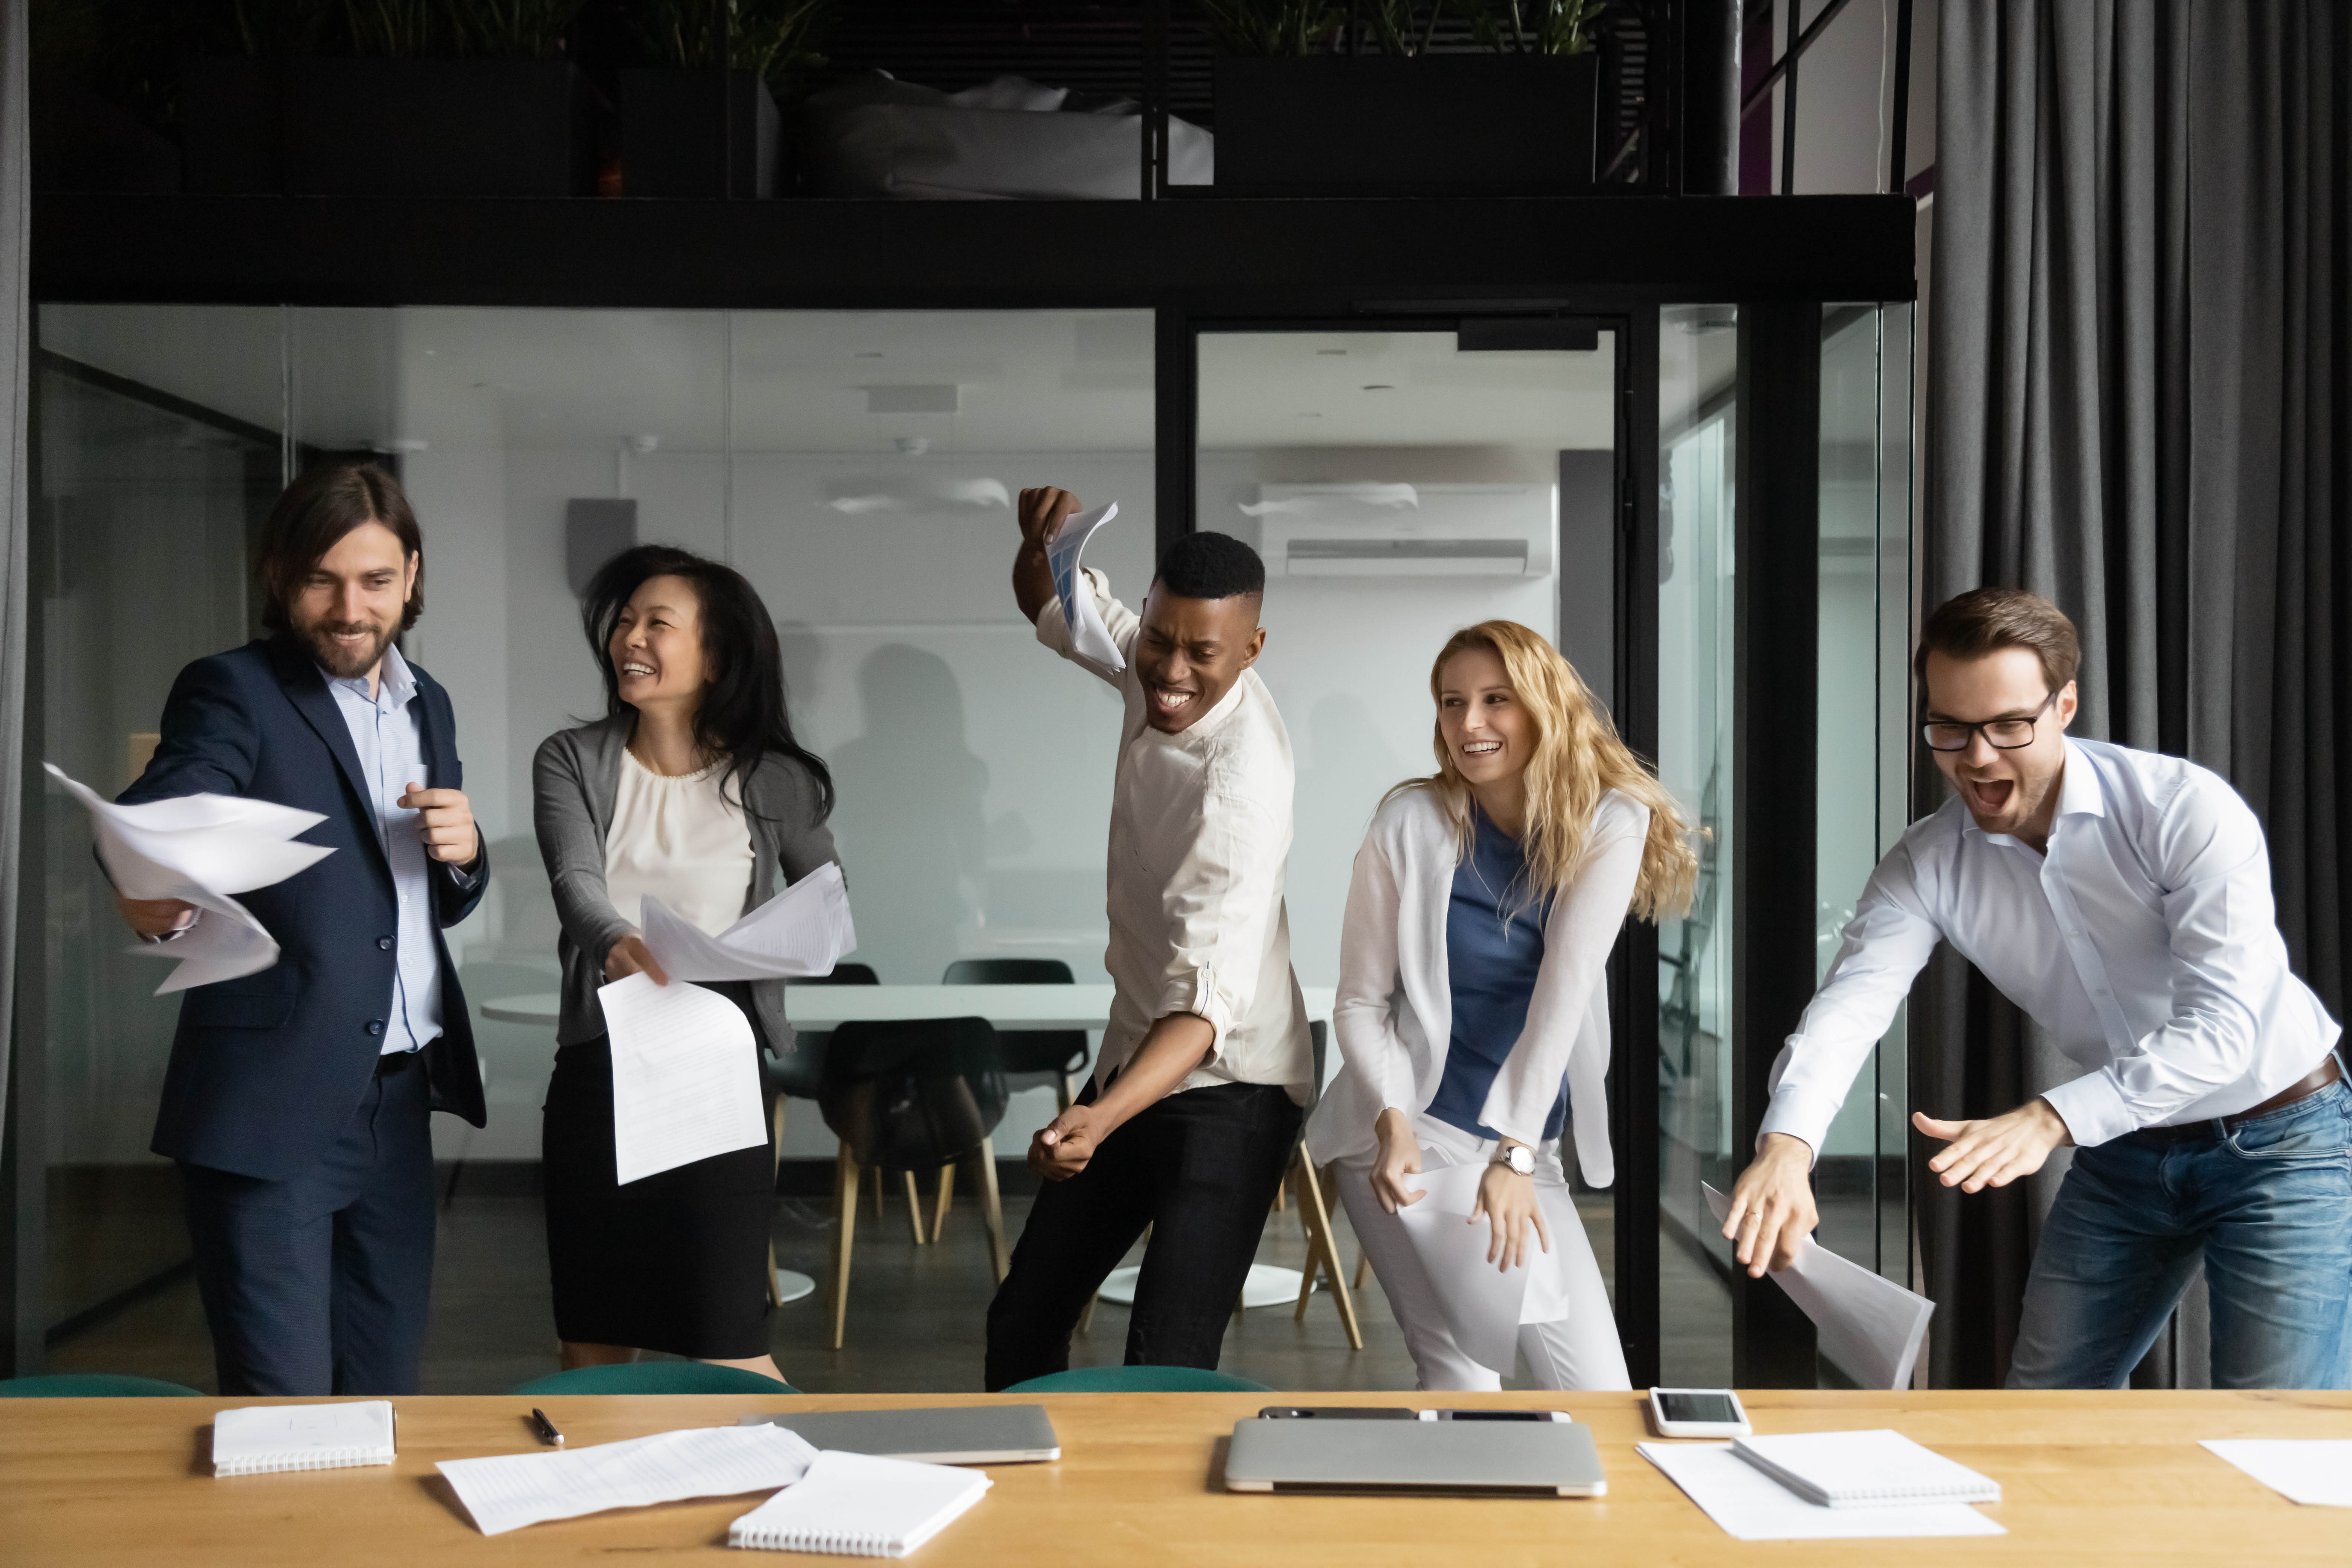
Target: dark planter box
point(1376, 125)
point(232, 124)
point(705, 133)
point(438, 128)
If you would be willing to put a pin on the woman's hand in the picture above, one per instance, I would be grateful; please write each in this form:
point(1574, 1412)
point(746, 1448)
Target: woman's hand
point(1508, 1201)
point(629, 955)
point(1400, 1157)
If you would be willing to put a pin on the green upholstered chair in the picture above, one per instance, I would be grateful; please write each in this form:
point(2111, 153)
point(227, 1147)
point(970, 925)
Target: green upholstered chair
point(1139, 1380)
point(655, 1377)
point(93, 1385)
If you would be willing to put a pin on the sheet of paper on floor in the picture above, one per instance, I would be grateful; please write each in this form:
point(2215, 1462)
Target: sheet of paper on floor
point(1868, 1327)
point(1752, 1506)
point(685, 1075)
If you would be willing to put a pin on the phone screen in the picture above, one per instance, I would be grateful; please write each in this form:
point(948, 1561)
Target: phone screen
point(1710, 1408)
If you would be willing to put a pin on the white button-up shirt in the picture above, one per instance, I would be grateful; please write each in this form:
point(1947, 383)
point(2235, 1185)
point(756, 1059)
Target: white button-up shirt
point(387, 730)
point(2145, 942)
point(1199, 839)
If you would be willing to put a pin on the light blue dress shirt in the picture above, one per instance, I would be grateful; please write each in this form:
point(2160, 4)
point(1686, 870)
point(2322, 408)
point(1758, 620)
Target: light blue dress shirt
point(387, 730)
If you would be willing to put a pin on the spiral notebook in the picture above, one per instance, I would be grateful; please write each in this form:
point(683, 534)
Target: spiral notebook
point(858, 1505)
point(260, 1439)
point(1863, 1469)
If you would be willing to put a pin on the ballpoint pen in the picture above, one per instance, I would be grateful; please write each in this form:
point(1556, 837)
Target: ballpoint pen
point(547, 1432)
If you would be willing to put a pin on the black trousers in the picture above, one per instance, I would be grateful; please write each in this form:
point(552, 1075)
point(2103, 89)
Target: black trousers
point(1200, 1168)
point(320, 1284)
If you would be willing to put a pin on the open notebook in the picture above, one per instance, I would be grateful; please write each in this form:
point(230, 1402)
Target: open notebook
point(1863, 1469)
point(858, 1505)
point(263, 1437)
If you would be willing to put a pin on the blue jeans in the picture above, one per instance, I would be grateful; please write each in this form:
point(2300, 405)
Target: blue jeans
point(2269, 1207)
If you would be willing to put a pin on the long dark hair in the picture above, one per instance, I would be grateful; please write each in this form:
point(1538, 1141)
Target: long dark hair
point(312, 517)
point(744, 716)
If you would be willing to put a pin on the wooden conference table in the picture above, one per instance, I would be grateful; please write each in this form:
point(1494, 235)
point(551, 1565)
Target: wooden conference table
point(2087, 1479)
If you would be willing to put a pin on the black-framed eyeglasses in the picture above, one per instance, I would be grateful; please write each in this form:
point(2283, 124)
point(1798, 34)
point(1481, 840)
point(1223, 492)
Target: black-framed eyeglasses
point(2003, 735)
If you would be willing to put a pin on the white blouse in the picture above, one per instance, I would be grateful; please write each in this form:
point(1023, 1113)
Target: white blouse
point(681, 841)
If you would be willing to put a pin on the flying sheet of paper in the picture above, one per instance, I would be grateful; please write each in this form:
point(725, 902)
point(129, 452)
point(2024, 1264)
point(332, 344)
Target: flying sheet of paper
point(1089, 636)
point(1870, 1328)
point(1483, 1305)
point(508, 1492)
point(685, 1075)
point(201, 848)
point(1752, 1506)
point(2315, 1470)
point(802, 931)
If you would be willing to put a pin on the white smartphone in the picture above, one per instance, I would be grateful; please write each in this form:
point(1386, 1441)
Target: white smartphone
point(1698, 1412)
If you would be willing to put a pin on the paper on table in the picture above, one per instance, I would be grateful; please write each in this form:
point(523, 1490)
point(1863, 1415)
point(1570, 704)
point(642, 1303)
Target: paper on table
point(1089, 636)
point(802, 931)
point(1870, 1328)
point(507, 1491)
point(685, 1075)
point(2317, 1470)
point(1483, 1305)
point(1752, 1506)
point(201, 848)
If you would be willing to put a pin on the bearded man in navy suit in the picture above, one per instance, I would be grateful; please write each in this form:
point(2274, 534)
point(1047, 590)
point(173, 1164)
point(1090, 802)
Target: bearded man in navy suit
point(298, 1099)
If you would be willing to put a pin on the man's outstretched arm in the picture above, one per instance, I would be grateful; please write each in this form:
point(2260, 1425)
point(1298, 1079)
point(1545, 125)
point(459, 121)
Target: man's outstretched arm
point(1041, 513)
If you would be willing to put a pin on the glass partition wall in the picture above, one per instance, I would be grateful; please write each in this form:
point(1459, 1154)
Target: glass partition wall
point(860, 467)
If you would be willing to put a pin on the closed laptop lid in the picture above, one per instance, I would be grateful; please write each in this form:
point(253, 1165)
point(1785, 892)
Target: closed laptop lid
point(948, 1435)
point(1510, 1459)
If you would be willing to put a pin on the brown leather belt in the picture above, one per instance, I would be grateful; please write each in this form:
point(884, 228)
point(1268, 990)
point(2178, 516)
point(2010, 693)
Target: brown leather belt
point(2304, 1087)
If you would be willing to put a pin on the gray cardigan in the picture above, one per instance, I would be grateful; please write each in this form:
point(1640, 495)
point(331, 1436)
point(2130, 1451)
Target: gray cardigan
point(574, 780)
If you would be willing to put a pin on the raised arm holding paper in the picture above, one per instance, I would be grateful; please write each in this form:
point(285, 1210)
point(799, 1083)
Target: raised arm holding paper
point(664, 826)
point(2122, 899)
point(323, 1023)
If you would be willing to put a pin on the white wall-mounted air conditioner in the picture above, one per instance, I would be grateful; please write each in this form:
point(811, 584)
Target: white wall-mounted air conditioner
point(1407, 531)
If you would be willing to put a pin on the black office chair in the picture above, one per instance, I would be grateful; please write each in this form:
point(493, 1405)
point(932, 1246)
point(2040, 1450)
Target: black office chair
point(1030, 1055)
point(799, 1073)
point(907, 1096)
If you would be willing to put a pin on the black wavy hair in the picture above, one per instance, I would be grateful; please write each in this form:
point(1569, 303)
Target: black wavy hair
point(744, 716)
point(1212, 566)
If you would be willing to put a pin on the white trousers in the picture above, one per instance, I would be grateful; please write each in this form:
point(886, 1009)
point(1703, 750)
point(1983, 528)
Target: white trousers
point(1578, 1352)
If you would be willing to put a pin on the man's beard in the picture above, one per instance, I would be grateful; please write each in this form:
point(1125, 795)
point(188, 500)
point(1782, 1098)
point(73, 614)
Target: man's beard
point(343, 662)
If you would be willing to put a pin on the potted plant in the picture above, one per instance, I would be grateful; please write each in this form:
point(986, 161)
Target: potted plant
point(391, 98)
point(701, 121)
point(1413, 115)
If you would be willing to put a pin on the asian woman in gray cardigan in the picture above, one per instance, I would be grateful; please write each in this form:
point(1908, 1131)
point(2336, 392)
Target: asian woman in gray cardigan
point(691, 789)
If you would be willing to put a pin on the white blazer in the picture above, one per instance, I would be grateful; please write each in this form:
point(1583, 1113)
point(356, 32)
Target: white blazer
point(1394, 1012)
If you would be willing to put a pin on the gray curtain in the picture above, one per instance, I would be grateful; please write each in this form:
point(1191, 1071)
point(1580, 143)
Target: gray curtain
point(2137, 405)
point(16, 482)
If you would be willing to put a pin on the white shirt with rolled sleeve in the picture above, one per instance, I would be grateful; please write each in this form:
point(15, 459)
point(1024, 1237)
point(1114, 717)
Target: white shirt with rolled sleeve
point(2145, 942)
point(1200, 838)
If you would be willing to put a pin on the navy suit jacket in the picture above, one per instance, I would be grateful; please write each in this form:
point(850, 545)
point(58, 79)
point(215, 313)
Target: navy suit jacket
point(267, 1070)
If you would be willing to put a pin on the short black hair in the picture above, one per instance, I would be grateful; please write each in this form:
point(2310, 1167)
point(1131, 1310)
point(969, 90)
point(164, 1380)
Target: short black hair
point(311, 518)
point(1212, 566)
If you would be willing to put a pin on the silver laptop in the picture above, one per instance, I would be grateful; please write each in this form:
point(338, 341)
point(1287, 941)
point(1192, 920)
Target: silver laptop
point(950, 1435)
point(1463, 1457)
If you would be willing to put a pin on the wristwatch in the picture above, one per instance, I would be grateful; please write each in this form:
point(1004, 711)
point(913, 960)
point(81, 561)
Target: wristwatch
point(1518, 1157)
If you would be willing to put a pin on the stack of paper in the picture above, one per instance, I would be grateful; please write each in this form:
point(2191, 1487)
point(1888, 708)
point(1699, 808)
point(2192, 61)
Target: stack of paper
point(1869, 1328)
point(1483, 1305)
point(263, 1438)
point(1089, 636)
point(509, 1490)
point(200, 849)
point(1752, 1506)
point(860, 1506)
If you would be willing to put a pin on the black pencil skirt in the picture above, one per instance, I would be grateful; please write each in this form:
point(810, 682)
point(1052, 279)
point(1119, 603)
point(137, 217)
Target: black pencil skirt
point(676, 1262)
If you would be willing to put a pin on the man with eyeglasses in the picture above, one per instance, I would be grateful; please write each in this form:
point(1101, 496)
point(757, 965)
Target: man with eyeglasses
point(2122, 899)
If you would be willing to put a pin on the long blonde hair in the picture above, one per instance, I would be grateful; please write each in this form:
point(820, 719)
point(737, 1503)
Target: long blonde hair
point(1578, 757)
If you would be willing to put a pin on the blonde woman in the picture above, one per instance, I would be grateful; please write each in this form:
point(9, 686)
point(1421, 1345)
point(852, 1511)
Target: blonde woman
point(1471, 1015)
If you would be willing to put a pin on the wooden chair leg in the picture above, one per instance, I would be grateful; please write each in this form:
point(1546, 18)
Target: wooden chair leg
point(1087, 1318)
point(845, 1178)
point(947, 1195)
point(1310, 1197)
point(992, 1210)
point(914, 1207)
point(1363, 1267)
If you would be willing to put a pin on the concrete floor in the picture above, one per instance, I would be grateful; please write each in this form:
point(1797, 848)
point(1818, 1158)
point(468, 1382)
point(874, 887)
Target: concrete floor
point(916, 1314)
